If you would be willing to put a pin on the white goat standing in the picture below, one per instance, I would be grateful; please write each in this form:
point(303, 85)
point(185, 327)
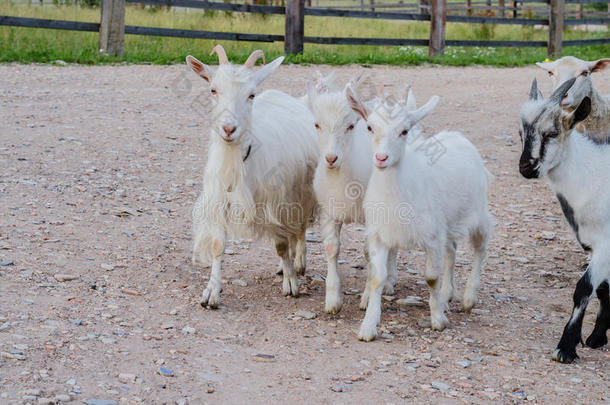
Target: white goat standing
point(411, 203)
point(259, 173)
point(568, 67)
point(576, 168)
point(343, 172)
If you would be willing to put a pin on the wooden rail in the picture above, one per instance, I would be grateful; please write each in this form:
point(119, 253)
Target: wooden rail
point(112, 27)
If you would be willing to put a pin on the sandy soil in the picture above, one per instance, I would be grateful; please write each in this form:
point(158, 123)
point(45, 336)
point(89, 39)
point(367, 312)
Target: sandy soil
point(99, 168)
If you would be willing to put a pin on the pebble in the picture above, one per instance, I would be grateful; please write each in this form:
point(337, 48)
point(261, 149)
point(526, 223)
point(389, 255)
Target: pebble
point(410, 301)
point(441, 386)
point(33, 392)
point(166, 372)
point(63, 398)
point(424, 323)
point(239, 282)
point(107, 267)
point(305, 314)
point(188, 330)
point(181, 401)
point(71, 381)
point(576, 380)
point(5, 325)
point(65, 277)
point(127, 378)
point(336, 387)
point(263, 358)
point(97, 401)
point(45, 401)
point(547, 235)
point(6, 263)
point(464, 363)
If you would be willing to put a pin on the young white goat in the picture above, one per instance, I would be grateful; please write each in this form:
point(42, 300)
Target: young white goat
point(576, 168)
point(341, 178)
point(259, 173)
point(412, 202)
point(568, 67)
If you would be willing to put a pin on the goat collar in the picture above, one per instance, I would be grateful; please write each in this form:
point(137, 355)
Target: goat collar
point(248, 152)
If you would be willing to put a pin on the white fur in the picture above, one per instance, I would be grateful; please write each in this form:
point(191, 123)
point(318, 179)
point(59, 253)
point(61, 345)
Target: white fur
point(340, 186)
point(563, 69)
point(270, 194)
point(412, 203)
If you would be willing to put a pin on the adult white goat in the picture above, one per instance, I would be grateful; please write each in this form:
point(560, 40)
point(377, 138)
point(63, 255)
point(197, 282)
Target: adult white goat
point(412, 202)
point(568, 67)
point(576, 168)
point(341, 178)
point(259, 173)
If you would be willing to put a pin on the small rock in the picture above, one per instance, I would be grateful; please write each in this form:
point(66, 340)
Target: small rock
point(263, 358)
point(210, 390)
point(76, 322)
point(107, 340)
point(166, 372)
point(63, 398)
point(5, 326)
point(410, 301)
point(107, 267)
point(388, 298)
point(33, 392)
point(312, 237)
point(464, 363)
point(305, 314)
point(336, 387)
point(441, 386)
point(97, 401)
point(71, 381)
point(46, 401)
point(547, 235)
point(424, 323)
point(65, 277)
point(181, 401)
point(239, 282)
point(6, 263)
point(576, 380)
point(126, 378)
point(167, 326)
point(188, 330)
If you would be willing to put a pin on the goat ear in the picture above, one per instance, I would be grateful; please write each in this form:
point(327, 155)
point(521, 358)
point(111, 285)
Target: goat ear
point(424, 110)
point(266, 70)
point(356, 104)
point(599, 65)
point(535, 94)
point(311, 92)
point(561, 91)
point(204, 71)
point(548, 66)
point(579, 114)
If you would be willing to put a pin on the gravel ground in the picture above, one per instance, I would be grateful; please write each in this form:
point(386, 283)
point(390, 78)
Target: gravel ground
point(99, 168)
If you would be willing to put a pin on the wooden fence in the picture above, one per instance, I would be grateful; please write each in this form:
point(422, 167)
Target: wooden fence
point(112, 26)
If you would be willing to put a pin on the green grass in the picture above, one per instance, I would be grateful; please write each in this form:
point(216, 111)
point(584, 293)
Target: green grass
point(28, 45)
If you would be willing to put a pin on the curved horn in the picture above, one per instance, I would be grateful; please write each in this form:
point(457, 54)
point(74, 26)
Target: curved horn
point(222, 55)
point(255, 56)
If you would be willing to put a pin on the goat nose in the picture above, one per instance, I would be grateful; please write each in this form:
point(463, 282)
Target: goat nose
point(331, 159)
point(229, 130)
point(381, 157)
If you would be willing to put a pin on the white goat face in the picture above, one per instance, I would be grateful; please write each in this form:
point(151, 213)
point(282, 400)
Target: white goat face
point(569, 67)
point(544, 129)
point(389, 126)
point(233, 91)
point(335, 123)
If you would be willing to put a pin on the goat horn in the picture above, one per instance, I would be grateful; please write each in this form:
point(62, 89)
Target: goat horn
point(255, 56)
point(222, 55)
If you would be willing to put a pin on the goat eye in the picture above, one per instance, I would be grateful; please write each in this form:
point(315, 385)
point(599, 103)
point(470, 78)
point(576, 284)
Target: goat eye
point(404, 132)
point(585, 74)
point(317, 126)
point(370, 129)
point(251, 97)
point(550, 73)
point(213, 91)
point(551, 134)
point(350, 127)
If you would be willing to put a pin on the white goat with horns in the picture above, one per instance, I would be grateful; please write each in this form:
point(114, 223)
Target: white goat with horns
point(411, 203)
point(259, 173)
point(597, 124)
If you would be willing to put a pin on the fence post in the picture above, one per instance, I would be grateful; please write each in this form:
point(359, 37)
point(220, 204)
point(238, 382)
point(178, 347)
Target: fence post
point(112, 27)
point(294, 27)
point(556, 18)
point(438, 13)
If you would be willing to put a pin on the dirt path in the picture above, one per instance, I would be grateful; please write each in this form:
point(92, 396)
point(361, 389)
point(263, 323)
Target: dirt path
point(99, 167)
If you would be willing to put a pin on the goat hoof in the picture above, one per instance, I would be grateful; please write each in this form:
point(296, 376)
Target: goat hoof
point(210, 299)
point(366, 333)
point(333, 307)
point(565, 356)
point(290, 286)
point(300, 270)
point(439, 323)
point(388, 289)
point(595, 341)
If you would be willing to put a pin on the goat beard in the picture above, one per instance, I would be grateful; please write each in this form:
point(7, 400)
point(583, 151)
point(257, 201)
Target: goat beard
point(226, 192)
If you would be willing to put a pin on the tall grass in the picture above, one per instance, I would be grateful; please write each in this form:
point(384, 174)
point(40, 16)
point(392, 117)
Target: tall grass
point(40, 45)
